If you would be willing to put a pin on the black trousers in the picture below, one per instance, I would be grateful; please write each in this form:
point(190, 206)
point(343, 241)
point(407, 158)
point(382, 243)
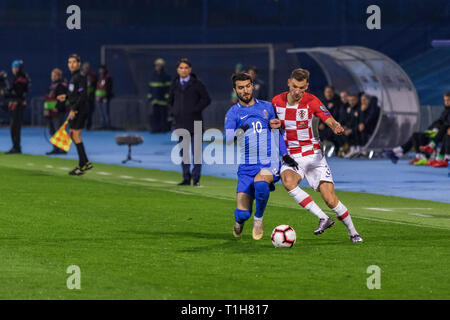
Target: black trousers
point(158, 119)
point(416, 140)
point(91, 102)
point(189, 175)
point(445, 150)
point(327, 134)
point(361, 137)
point(16, 119)
point(443, 137)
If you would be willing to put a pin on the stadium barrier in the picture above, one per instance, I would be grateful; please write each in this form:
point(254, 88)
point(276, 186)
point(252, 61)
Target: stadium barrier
point(131, 113)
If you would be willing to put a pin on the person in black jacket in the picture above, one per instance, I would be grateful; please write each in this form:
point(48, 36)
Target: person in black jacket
point(333, 103)
point(91, 79)
point(104, 94)
point(79, 112)
point(55, 106)
point(188, 97)
point(367, 120)
point(17, 93)
point(158, 95)
point(350, 122)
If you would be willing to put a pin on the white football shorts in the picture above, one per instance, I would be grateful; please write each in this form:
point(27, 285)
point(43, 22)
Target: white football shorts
point(313, 167)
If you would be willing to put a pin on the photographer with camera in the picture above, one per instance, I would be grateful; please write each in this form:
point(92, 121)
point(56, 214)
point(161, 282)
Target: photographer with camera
point(17, 95)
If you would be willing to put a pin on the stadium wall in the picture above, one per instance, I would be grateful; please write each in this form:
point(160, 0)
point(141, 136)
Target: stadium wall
point(35, 30)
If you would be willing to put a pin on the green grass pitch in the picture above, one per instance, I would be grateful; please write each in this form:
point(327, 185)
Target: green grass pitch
point(136, 235)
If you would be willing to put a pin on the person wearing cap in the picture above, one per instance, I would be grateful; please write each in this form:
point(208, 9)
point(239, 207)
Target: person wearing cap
point(188, 97)
point(104, 94)
point(17, 95)
point(157, 96)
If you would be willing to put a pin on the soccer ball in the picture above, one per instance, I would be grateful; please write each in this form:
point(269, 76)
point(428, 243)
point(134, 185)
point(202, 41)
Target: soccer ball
point(283, 236)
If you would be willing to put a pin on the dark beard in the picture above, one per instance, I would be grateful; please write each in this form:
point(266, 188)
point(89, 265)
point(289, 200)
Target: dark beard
point(245, 100)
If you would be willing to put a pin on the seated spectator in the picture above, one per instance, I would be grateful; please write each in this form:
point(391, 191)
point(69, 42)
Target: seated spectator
point(445, 152)
point(344, 99)
point(421, 139)
point(440, 138)
point(367, 119)
point(375, 111)
point(332, 102)
point(350, 123)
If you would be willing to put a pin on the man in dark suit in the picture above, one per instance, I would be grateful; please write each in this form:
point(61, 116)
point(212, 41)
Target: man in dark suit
point(188, 97)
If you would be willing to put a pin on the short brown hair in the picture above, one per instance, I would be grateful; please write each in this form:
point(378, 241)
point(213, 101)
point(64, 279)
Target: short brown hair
point(447, 94)
point(242, 76)
point(300, 74)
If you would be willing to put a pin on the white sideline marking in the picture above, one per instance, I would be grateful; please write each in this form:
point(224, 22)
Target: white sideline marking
point(379, 209)
point(414, 208)
point(420, 215)
point(125, 177)
point(30, 164)
point(104, 173)
point(405, 223)
point(149, 179)
point(64, 168)
point(170, 182)
point(49, 166)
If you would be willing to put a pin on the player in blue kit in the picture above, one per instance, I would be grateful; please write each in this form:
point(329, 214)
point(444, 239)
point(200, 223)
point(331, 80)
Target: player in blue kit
point(248, 120)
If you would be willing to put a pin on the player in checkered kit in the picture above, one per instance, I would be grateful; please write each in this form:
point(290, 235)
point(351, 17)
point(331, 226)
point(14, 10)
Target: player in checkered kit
point(295, 110)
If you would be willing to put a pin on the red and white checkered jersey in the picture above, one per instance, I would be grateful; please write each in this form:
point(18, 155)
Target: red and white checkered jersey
point(297, 122)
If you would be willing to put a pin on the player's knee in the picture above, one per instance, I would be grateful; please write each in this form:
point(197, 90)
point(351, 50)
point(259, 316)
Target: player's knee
point(330, 199)
point(242, 215)
point(261, 190)
point(332, 202)
point(289, 183)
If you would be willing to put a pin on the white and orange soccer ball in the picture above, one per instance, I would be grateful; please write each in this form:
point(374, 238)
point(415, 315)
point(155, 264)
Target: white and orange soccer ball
point(283, 236)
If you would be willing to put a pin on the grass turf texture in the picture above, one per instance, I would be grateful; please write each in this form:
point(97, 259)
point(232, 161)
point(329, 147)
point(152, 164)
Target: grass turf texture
point(136, 235)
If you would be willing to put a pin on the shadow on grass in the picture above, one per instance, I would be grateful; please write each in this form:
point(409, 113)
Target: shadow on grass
point(227, 242)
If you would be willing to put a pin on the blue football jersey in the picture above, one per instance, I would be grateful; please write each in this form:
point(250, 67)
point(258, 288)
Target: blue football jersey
point(256, 147)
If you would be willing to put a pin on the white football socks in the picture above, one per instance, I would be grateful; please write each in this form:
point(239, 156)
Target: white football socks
point(303, 199)
point(343, 215)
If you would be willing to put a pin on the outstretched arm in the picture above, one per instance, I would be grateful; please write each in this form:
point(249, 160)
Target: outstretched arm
point(334, 125)
point(284, 153)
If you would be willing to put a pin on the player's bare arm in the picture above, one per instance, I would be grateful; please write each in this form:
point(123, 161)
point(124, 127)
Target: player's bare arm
point(335, 126)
